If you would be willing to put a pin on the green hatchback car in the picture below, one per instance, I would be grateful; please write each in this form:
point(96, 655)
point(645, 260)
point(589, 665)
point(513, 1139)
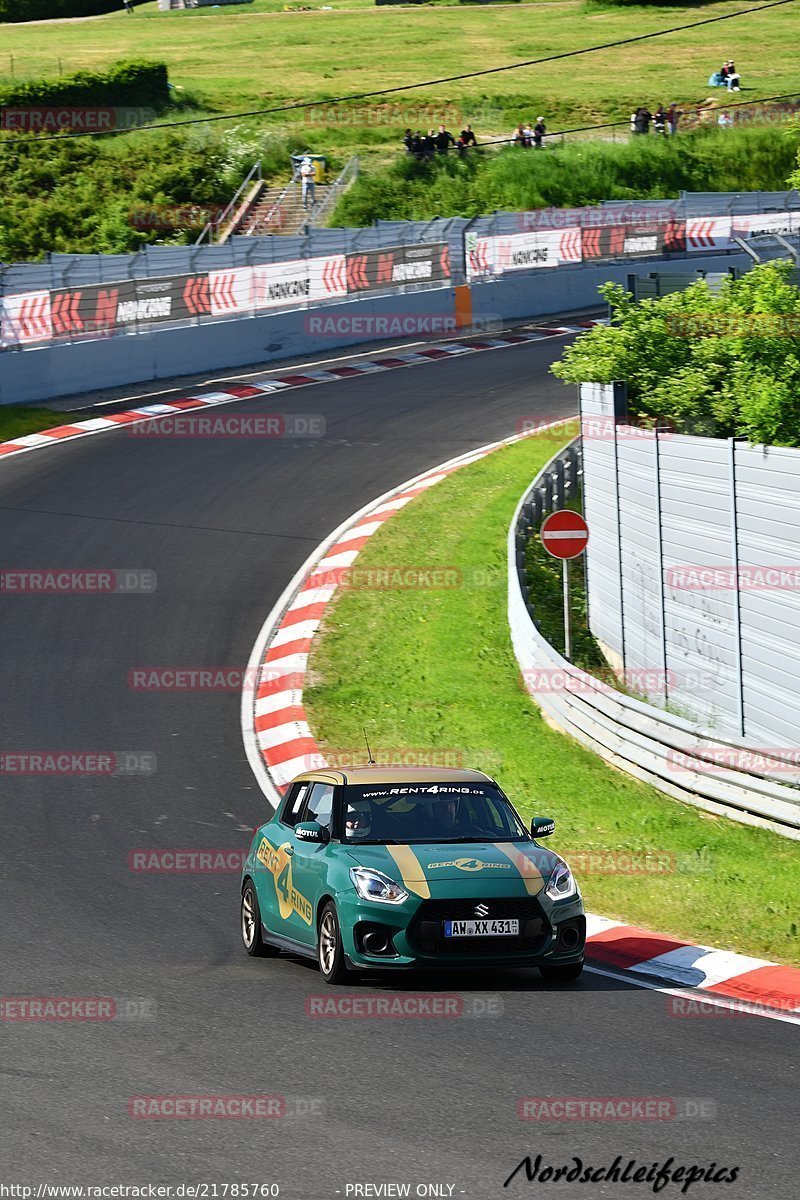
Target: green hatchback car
point(395, 869)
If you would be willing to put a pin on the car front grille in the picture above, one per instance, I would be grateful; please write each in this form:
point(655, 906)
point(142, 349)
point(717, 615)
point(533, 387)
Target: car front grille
point(426, 931)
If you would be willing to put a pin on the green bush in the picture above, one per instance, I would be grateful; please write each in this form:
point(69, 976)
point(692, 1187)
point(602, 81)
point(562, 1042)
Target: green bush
point(43, 10)
point(77, 195)
point(578, 173)
point(717, 365)
point(136, 84)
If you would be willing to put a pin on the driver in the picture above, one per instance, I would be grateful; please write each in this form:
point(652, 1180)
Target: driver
point(450, 816)
point(358, 820)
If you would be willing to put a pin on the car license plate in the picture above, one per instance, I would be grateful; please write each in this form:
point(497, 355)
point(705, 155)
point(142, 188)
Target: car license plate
point(495, 928)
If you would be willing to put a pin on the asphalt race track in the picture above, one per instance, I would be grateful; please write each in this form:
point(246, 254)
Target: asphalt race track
point(224, 523)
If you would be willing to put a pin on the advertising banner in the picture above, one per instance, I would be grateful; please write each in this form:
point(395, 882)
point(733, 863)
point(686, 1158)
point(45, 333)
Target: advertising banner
point(522, 251)
point(25, 318)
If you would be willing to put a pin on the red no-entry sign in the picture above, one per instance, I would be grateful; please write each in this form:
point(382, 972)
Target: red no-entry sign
point(564, 534)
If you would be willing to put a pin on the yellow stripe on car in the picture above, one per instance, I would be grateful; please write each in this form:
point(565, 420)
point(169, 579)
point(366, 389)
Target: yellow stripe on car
point(411, 870)
point(531, 875)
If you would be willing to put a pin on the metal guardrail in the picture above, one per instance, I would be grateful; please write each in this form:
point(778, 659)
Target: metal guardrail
point(635, 737)
point(345, 179)
point(207, 233)
point(266, 222)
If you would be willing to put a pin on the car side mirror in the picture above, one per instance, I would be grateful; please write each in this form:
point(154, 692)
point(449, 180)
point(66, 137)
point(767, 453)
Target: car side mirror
point(542, 827)
point(311, 831)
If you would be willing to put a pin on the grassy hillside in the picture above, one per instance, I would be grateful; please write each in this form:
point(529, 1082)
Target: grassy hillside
point(254, 56)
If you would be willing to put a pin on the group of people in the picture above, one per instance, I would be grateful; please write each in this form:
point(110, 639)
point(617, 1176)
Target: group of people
point(727, 76)
point(528, 135)
point(438, 141)
point(663, 120)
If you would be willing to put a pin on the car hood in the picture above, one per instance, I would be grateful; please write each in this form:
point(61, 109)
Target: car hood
point(421, 866)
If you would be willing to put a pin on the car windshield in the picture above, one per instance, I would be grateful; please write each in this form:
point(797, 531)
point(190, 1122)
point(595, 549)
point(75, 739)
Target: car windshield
point(395, 814)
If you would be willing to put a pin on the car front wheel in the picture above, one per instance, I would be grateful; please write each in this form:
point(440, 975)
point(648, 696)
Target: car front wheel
point(553, 973)
point(330, 951)
point(253, 942)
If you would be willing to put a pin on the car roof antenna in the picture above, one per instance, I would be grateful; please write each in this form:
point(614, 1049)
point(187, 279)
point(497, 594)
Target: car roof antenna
point(370, 759)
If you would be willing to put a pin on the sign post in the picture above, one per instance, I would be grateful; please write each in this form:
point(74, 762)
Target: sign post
point(564, 535)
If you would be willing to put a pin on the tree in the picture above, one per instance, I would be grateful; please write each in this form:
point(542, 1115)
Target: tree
point(717, 364)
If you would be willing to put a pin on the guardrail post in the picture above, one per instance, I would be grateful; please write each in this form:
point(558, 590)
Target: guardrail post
point(737, 615)
point(660, 553)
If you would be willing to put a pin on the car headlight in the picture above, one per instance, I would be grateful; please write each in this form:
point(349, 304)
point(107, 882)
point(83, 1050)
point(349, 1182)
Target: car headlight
point(562, 883)
point(374, 885)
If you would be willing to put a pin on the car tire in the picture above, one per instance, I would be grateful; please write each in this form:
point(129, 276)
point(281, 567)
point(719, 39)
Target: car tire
point(330, 951)
point(250, 925)
point(568, 973)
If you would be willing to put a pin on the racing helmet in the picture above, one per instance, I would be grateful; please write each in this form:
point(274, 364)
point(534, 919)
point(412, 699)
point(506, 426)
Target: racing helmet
point(358, 819)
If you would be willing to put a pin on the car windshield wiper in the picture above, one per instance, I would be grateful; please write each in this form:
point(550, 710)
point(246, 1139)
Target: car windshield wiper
point(487, 838)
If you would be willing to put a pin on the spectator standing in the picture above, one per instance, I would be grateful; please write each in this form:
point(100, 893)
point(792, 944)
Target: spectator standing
point(408, 141)
point(429, 144)
point(539, 133)
point(308, 183)
point(642, 120)
point(724, 120)
point(126, 4)
point(444, 140)
point(518, 136)
point(468, 137)
point(660, 120)
point(672, 118)
point(528, 134)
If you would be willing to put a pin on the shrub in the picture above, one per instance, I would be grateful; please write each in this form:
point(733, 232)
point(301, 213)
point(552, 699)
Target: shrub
point(718, 365)
point(125, 83)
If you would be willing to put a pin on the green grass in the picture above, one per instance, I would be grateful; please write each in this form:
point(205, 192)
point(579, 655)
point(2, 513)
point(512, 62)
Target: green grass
point(436, 669)
point(574, 174)
point(256, 56)
point(16, 421)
